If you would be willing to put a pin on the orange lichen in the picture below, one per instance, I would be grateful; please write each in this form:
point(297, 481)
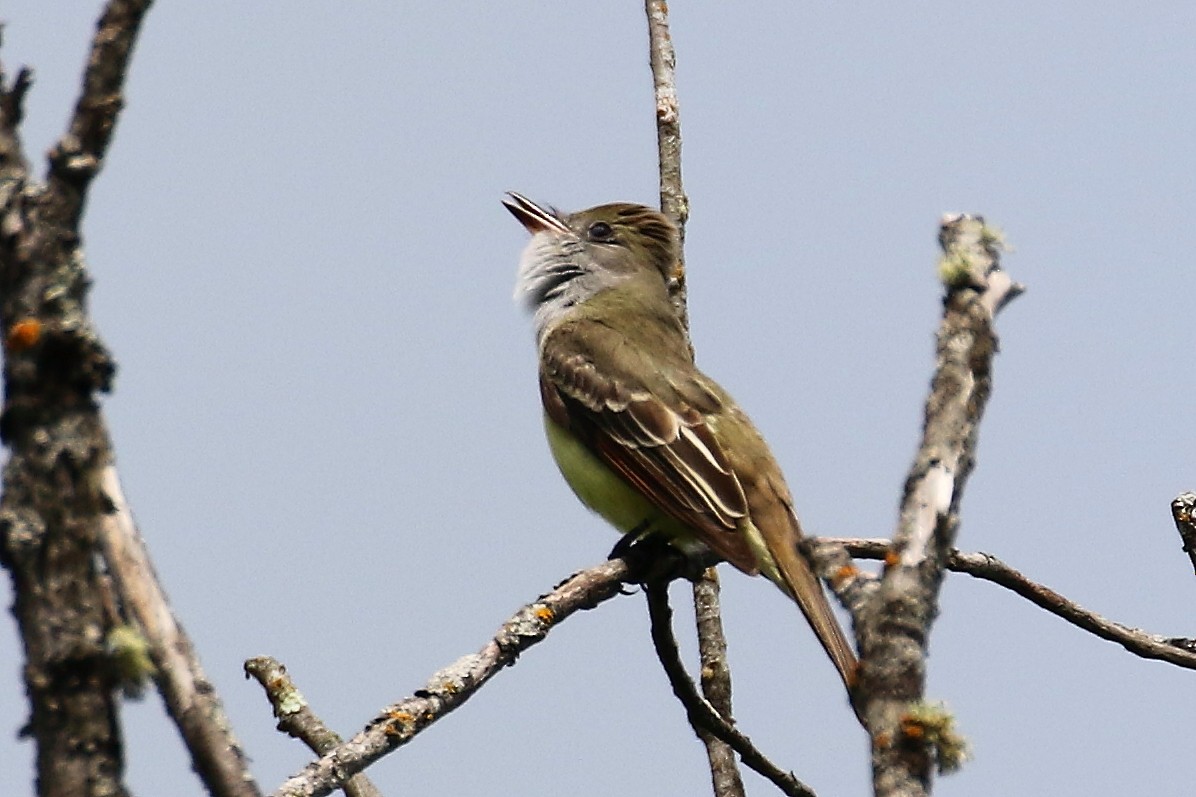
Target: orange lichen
point(911, 728)
point(23, 335)
point(933, 727)
point(844, 573)
point(544, 614)
point(891, 558)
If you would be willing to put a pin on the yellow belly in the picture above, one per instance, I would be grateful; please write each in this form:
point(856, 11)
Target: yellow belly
point(605, 492)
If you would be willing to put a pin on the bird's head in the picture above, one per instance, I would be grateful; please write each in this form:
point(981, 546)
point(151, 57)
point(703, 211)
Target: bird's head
point(572, 257)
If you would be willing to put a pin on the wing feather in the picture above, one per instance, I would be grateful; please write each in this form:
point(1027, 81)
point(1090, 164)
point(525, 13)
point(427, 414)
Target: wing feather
point(659, 444)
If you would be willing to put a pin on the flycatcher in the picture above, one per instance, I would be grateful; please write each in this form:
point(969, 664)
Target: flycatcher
point(642, 436)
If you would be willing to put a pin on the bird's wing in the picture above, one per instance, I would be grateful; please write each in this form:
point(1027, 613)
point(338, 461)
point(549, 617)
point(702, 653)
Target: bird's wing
point(646, 412)
point(656, 440)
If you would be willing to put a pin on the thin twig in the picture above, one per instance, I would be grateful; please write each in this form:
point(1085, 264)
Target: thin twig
point(702, 715)
point(712, 645)
point(399, 723)
point(1183, 511)
point(191, 700)
point(715, 680)
point(297, 719)
point(711, 640)
point(79, 154)
point(673, 201)
point(1178, 651)
point(12, 101)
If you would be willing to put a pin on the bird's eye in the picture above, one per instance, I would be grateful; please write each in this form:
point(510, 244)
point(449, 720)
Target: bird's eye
point(601, 231)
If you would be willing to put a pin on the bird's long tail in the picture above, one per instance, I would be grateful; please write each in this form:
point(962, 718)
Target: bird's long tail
point(799, 582)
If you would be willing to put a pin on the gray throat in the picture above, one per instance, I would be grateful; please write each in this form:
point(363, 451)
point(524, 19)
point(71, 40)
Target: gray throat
point(554, 277)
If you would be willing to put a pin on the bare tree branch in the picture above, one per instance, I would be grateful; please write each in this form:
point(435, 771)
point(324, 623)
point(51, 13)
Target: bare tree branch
point(191, 700)
point(893, 616)
point(297, 719)
point(401, 722)
point(55, 366)
point(673, 201)
point(1178, 651)
point(13, 168)
point(703, 716)
point(715, 680)
point(716, 676)
point(79, 154)
point(62, 502)
point(712, 644)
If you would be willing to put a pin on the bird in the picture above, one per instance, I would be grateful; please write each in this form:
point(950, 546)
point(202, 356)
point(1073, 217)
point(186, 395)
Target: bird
point(642, 436)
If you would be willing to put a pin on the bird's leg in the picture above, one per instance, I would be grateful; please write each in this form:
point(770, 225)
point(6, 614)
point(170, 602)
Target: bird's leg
point(653, 558)
point(635, 536)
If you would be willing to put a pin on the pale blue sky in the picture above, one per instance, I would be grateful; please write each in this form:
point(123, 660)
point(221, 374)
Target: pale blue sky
point(326, 414)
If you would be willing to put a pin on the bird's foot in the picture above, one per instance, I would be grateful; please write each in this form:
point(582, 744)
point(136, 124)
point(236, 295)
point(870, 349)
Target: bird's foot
point(652, 558)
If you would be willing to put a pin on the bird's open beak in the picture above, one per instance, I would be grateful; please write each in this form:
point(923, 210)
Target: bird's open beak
point(532, 216)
